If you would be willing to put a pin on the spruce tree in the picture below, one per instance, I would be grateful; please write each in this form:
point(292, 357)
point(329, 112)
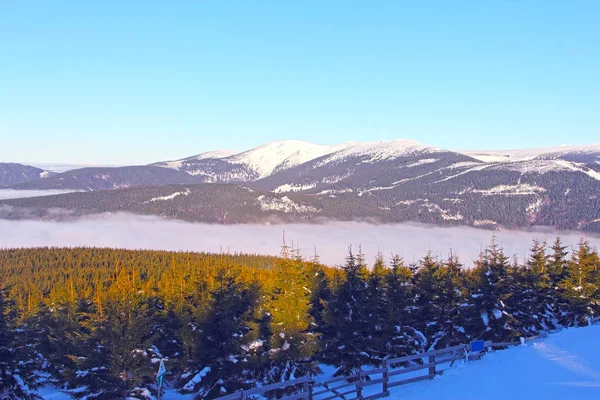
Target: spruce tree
point(347, 313)
point(227, 337)
point(293, 340)
point(453, 304)
point(17, 379)
point(377, 304)
point(580, 286)
point(404, 339)
point(489, 316)
point(427, 300)
point(534, 300)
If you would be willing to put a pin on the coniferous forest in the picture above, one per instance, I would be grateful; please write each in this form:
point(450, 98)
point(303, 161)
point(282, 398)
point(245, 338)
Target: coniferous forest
point(96, 322)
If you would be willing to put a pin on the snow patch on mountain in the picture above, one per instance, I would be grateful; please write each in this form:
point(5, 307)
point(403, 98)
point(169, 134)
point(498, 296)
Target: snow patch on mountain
point(293, 188)
point(177, 164)
point(547, 166)
point(510, 190)
point(484, 222)
point(169, 197)
point(284, 204)
point(376, 151)
point(445, 214)
point(516, 155)
point(274, 156)
point(422, 162)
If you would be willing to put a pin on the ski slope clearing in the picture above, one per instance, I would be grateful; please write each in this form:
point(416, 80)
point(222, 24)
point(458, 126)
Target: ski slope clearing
point(565, 365)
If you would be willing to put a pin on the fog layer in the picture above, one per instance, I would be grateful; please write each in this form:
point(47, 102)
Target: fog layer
point(19, 194)
point(412, 241)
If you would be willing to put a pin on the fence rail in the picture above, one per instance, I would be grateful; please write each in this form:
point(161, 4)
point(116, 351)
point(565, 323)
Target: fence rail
point(353, 385)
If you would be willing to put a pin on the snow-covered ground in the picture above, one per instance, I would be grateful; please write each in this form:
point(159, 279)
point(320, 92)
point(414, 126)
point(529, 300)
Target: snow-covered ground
point(566, 365)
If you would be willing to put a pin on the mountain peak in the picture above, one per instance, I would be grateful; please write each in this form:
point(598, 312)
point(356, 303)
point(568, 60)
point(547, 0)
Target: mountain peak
point(269, 157)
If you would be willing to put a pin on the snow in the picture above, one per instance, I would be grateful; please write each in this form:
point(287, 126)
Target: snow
point(529, 154)
point(546, 166)
point(284, 204)
point(565, 365)
point(293, 188)
point(445, 214)
point(169, 197)
point(177, 164)
point(485, 318)
point(483, 222)
point(197, 379)
point(518, 190)
point(422, 162)
point(213, 154)
point(265, 159)
point(376, 151)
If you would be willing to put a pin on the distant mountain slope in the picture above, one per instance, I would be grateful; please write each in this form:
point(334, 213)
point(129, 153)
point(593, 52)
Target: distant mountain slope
point(13, 173)
point(214, 203)
point(105, 178)
point(391, 181)
point(256, 163)
point(464, 198)
point(589, 154)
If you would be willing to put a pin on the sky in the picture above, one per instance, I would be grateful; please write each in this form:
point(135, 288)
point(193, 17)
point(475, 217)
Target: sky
point(133, 82)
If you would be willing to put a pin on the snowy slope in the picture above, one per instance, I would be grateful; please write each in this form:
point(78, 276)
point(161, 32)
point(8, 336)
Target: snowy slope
point(266, 159)
point(530, 154)
point(216, 154)
point(565, 365)
point(375, 151)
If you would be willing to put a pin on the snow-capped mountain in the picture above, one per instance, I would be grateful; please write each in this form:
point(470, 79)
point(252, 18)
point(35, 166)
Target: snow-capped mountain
point(181, 164)
point(391, 181)
point(278, 156)
point(250, 165)
point(583, 154)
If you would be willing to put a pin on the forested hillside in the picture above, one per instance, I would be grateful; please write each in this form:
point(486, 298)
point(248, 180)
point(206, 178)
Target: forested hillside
point(96, 322)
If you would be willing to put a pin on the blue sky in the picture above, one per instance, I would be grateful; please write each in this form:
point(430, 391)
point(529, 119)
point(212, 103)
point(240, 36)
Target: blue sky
point(123, 82)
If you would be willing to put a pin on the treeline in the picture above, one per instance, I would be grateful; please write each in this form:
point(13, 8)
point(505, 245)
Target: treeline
point(97, 322)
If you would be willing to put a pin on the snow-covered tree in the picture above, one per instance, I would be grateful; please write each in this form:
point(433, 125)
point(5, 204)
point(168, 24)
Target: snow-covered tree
point(347, 313)
point(17, 379)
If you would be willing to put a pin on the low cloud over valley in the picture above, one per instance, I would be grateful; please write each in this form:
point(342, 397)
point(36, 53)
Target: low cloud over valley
point(412, 241)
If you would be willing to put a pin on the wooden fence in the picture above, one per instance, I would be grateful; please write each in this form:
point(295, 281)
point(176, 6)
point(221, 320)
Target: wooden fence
point(391, 374)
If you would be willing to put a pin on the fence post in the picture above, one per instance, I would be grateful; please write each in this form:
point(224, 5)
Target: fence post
point(242, 395)
point(359, 385)
point(385, 378)
point(432, 368)
point(307, 388)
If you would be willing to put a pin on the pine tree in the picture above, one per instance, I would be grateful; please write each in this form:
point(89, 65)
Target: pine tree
point(347, 313)
point(227, 337)
point(17, 381)
point(293, 341)
point(404, 339)
point(489, 316)
point(113, 358)
point(580, 286)
point(452, 302)
point(377, 305)
point(534, 300)
point(427, 301)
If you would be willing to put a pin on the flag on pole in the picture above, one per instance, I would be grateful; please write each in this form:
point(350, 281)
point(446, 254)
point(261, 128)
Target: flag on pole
point(160, 375)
